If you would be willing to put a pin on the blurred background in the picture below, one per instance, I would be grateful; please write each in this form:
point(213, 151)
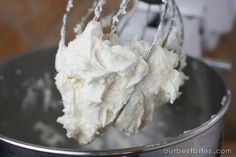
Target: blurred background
point(210, 28)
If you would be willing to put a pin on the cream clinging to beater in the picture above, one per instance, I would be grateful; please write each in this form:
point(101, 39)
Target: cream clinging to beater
point(102, 81)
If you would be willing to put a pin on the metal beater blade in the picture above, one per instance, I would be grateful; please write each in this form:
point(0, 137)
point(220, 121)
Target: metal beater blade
point(161, 37)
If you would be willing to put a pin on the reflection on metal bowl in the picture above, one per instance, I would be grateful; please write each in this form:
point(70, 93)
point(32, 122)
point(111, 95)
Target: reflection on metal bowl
point(30, 105)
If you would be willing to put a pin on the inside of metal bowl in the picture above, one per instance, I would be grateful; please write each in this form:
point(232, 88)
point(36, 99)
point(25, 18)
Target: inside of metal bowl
point(30, 105)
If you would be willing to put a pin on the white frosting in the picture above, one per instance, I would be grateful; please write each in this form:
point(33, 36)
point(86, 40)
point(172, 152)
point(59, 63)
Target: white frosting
point(96, 78)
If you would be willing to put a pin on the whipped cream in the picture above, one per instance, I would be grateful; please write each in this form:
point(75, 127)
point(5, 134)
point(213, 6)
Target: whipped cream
point(104, 83)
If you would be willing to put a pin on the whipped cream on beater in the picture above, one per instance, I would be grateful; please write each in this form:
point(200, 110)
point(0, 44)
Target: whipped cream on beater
point(97, 80)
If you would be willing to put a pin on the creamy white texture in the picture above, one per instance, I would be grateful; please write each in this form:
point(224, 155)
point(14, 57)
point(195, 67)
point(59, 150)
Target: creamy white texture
point(161, 85)
point(96, 78)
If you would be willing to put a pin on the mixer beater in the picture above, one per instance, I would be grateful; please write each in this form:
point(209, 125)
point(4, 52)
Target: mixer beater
point(170, 28)
point(166, 34)
point(170, 21)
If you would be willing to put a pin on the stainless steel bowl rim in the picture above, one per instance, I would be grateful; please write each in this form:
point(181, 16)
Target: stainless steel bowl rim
point(127, 151)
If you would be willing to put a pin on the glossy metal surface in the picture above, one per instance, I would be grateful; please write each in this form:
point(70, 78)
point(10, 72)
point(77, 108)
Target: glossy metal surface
point(194, 121)
point(153, 1)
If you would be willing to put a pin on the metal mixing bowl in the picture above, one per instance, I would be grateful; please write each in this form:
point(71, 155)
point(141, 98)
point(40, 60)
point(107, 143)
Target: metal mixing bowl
point(29, 99)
